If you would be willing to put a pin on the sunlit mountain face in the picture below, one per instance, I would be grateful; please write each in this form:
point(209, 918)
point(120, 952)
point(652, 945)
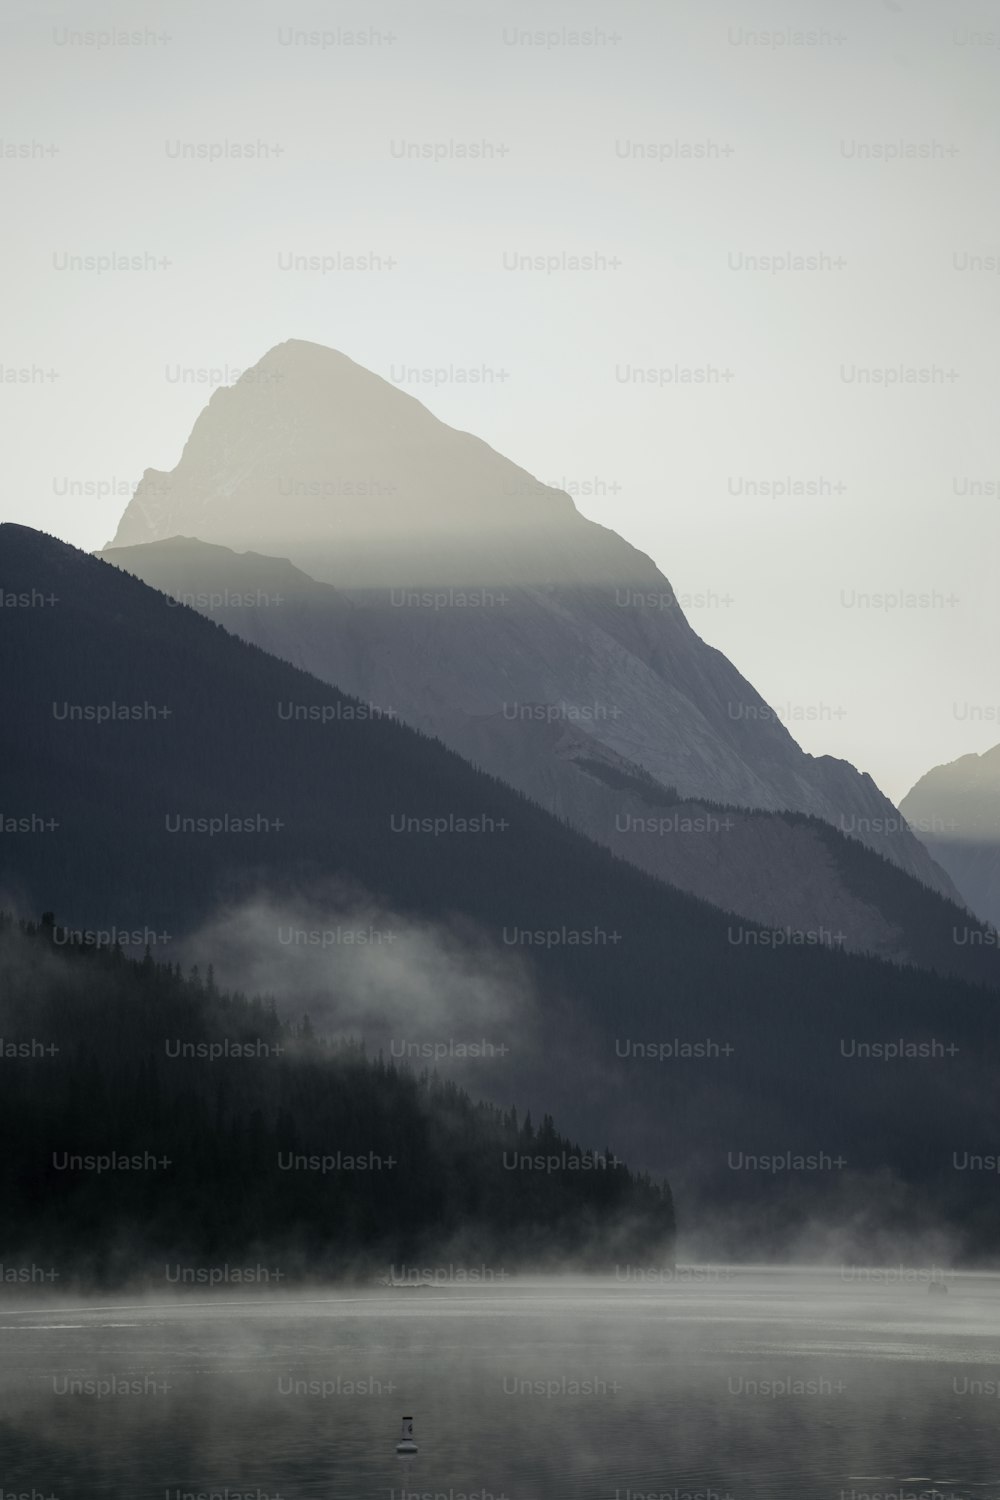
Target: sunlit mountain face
point(311, 456)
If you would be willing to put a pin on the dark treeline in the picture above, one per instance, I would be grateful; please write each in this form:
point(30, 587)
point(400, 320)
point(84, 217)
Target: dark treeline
point(282, 1148)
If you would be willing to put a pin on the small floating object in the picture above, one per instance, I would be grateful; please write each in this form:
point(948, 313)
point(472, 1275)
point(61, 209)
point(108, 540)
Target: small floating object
point(406, 1443)
point(937, 1288)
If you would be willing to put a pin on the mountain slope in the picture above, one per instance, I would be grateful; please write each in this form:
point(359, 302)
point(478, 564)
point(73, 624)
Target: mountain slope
point(955, 810)
point(782, 870)
point(682, 1046)
point(483, 591)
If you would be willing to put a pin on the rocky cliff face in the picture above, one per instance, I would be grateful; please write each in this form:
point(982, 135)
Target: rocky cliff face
point(782, 869)
point(480, 604)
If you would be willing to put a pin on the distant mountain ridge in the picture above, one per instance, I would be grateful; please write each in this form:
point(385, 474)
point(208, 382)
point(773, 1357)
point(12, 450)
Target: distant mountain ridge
point(955, 810)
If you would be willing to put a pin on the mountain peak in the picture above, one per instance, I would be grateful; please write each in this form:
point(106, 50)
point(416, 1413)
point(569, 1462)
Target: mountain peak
point(309, 452)
point(293, 356)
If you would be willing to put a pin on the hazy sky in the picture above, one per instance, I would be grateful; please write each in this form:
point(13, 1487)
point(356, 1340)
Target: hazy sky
point(863, 134)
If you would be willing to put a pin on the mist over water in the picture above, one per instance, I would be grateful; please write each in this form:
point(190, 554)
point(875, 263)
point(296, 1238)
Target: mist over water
point(704, 1380)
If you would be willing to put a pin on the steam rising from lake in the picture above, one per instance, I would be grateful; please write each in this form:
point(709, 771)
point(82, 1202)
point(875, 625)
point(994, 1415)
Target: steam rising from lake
point(700, 1381)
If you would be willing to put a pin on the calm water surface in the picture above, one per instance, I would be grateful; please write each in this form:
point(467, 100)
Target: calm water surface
point(746, 1383)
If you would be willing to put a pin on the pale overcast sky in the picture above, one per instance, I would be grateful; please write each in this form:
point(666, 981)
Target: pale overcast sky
point(863, 134)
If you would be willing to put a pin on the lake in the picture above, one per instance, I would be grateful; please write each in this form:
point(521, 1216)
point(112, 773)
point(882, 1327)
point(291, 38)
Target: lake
point(710, 1383)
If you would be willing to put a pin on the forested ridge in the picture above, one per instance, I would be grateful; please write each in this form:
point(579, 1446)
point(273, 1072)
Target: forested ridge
point(152, 1120)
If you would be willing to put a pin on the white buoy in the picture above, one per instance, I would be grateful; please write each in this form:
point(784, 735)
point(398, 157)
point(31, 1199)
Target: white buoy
point(406, 1443)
